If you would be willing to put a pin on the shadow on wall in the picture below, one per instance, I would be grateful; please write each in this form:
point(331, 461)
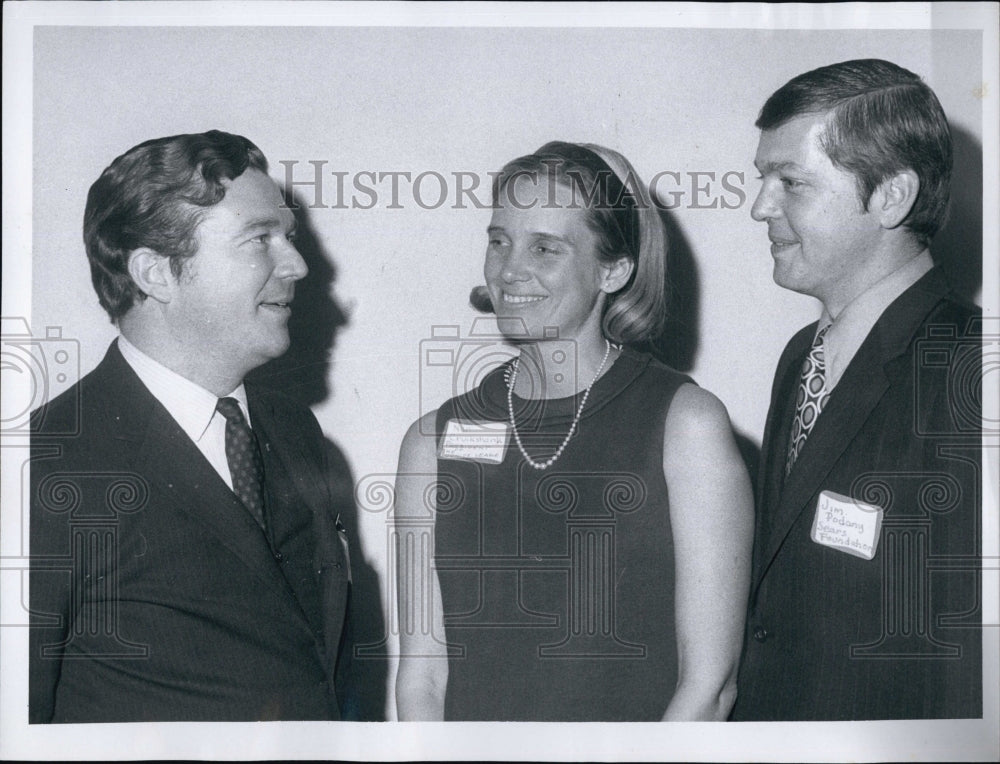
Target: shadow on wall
point(677, 346)
point(361, 680)
point(750, 452)
point(958, 247)
point(303, 374)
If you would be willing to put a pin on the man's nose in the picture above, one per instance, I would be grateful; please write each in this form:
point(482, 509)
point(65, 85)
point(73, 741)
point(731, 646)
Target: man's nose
point(290, 264)
point(764, 206)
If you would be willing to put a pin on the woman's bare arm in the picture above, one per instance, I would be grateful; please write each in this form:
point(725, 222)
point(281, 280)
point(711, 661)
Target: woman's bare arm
point(711, 516)
point(423, 664)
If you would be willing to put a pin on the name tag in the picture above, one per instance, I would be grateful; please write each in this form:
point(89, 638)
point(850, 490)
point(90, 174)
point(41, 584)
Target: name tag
point(848, 525)
point(475, 441)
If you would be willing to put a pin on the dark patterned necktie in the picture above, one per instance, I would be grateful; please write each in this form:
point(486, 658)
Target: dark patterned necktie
point(245, 464)
point(810, 400)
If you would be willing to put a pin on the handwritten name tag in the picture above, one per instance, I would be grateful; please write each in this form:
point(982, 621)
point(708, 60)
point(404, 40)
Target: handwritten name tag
point(476, 441)
point(848, 525)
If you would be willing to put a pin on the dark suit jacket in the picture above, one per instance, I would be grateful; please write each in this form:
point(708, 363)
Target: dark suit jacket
point(154, 594)
point(836, 636)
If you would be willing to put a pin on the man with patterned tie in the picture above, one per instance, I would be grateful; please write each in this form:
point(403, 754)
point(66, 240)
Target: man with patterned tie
point(187, 562)
point(865, 596)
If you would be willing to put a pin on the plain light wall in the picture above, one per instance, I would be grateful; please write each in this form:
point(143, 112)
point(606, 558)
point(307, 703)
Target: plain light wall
point(462, 100)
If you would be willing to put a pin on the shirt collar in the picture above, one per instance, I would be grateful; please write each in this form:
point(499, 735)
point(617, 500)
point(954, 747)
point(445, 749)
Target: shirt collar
point(190, 404)
point(856, 320)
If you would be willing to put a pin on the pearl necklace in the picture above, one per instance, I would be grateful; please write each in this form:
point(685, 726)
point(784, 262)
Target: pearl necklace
point(576, 419)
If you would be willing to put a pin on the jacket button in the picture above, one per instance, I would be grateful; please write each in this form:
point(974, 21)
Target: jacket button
point(760, 633)
point(278, 555)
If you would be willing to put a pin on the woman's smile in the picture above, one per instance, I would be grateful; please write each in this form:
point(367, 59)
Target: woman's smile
point(521, 299)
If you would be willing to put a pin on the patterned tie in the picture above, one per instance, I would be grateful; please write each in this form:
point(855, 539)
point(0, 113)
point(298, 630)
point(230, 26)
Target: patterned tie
point(245, 464)
point(810, 400)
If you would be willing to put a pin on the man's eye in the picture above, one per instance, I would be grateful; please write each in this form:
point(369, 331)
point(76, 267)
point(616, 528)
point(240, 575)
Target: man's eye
point(790, 183)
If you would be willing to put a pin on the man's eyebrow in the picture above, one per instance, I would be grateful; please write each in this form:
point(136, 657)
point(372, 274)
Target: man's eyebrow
point(267, 222)
point(780, 167)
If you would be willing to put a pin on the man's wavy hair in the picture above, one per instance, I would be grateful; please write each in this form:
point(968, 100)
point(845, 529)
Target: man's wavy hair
point(881, 119)
point(625, 220)
point(155, 195)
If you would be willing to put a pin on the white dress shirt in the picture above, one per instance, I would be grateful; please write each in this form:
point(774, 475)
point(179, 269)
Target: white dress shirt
point(191, 406)
point(855, 322)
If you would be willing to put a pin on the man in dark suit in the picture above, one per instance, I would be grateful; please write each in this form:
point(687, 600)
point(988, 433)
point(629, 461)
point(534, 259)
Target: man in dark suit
point(187, 561)
point(865, 596)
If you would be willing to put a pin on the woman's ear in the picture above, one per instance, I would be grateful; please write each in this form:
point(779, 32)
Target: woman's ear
point(150, 271)
point(616, 274)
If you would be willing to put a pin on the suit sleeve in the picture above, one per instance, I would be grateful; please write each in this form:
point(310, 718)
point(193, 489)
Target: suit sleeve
point(336, 531)
point(49, 593)
point(340, 487)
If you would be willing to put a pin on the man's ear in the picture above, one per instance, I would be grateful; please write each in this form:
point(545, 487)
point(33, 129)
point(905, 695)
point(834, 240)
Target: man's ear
point(895, 197)
point(616, 274)
point(151, 273)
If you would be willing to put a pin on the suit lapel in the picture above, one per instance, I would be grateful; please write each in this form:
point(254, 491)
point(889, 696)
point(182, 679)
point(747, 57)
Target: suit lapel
point(851, 403)
point(771, 477)
point(281, 443)
point(285, 447)
point(863, 385)
point(180, 476)
point(289, 460)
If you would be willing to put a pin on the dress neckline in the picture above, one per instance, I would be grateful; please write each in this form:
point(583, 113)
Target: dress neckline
point(557, 411)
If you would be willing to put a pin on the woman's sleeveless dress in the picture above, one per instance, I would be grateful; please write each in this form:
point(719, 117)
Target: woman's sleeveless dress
point(558, 585)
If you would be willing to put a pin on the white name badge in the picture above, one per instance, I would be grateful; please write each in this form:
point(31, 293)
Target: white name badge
point(475, 441)
point(848, 525)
